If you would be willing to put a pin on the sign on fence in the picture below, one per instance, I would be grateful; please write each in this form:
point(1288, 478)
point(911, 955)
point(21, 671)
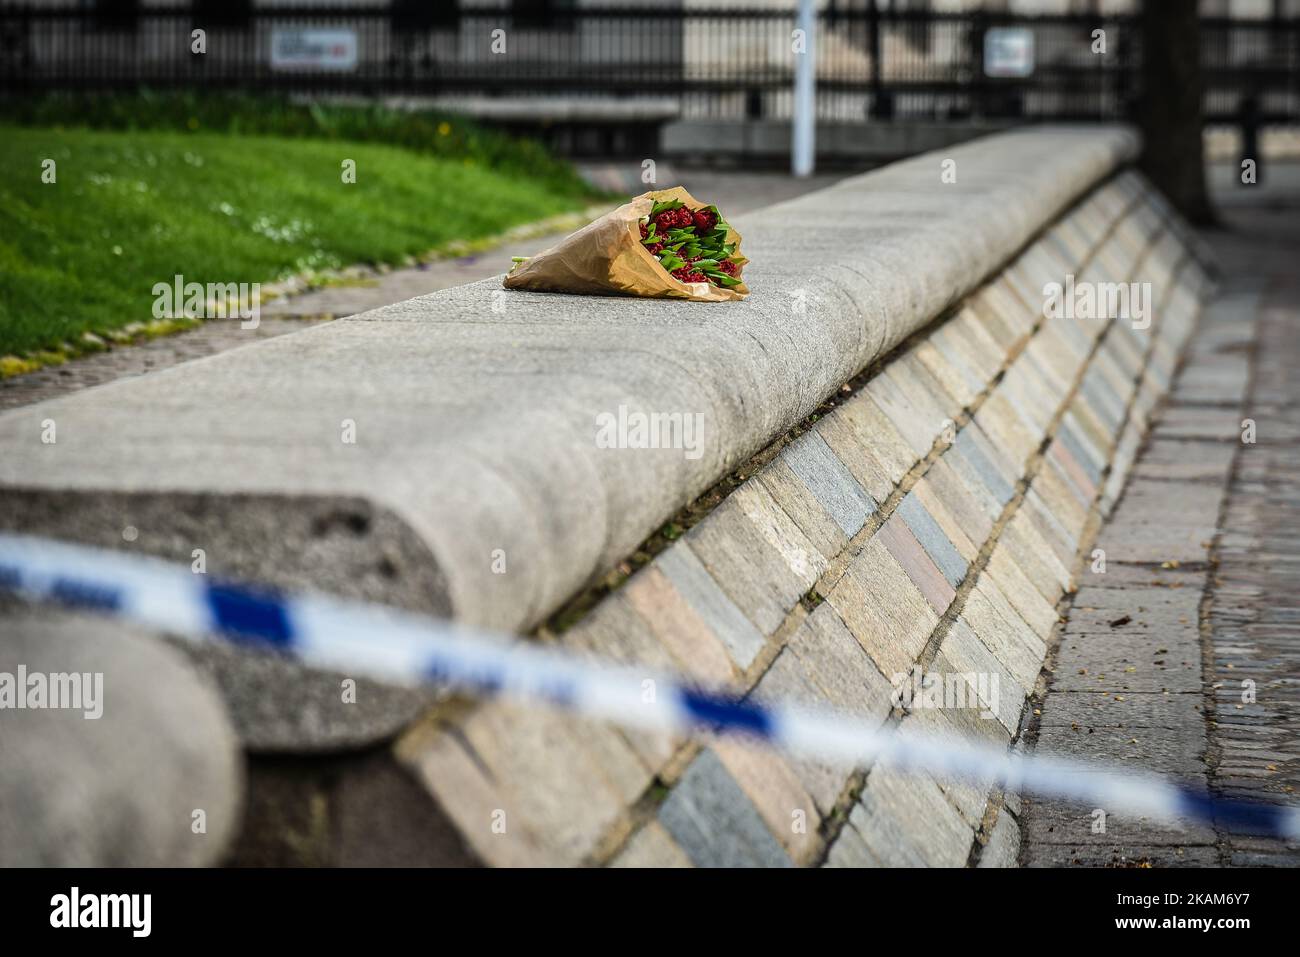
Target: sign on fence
point(1009, 51)
point(313, 49)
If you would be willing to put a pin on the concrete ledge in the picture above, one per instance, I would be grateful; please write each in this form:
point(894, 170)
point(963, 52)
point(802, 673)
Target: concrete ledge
point(928, 524)
point(856, 143)
point(474, 408)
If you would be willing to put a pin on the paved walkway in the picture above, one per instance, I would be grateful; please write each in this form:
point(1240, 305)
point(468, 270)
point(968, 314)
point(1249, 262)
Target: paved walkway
point(737, 193)
point(1184, 656)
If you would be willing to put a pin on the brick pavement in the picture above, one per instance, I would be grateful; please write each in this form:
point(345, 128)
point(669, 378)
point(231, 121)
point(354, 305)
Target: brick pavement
point(1182, 656)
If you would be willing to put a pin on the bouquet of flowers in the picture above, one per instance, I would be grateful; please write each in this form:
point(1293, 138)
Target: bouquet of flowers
point(663, 244)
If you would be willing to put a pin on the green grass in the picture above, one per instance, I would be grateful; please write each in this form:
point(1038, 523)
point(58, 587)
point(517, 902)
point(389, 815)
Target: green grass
point(434, 132)
point(133, 208)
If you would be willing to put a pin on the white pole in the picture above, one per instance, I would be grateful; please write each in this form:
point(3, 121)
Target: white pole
point(805, 102)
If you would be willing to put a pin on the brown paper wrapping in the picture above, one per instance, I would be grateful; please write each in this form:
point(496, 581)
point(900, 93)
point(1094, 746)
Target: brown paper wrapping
point(606, 256)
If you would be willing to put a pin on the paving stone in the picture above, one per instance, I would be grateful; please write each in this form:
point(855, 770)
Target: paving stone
point(560, 782)
point(1122, 855)
point(849, 850)
point(1091, 458)
point(823, 666)
point(757, 555)
point(1034, 392)
point(1056, 352)
point(1091, 446)
point(678, 627)
point(962, 652)
point(1020, 592)
point(1063, 542)
point(1199, 422)
point(959, 378)
point(1166, 622)
point(945, 518)
point(885, 612)
point(1000, 327)
point(1178, 751)
point(1000, 420)
point(830, 481)
point(1097, 433)
point(992, 468)
point(1121, 664)
point(710, 817)
point(1076, 475)
point(919, 425)
point(969, 795)
point(1032, 554)
point(1021, 314)
point(923, 572)
point(835, 666)
point(1182, 601)
point(1004, 632)
point(1186, 460)
point(942, 483)
point(651, 846)
point(774, 788)
point(718, 612)
point(1060, 499)
point(1213, 380)
point(465, 790)
point(929, 395)
point(867, 443)
point(1003, 845)
point(966, 334)
point(1105, 392)
point(1071, 824)
point(1027, 276)
point(614, 631)
point(884, 816)
point(1101, 709)
point(784, 684)
point(932, 538)
point(797, 500)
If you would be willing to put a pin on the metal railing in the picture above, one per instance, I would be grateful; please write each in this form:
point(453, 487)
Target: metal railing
point(717, 63)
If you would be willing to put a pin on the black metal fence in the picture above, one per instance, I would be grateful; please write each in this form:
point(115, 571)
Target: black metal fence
point(643, 61)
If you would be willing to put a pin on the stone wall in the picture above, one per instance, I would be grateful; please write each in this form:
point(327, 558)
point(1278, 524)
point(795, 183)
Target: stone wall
point(942, 452)
point(934, 518)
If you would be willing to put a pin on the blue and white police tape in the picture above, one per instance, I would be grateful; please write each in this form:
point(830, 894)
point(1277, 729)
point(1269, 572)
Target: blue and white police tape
point(405, 649)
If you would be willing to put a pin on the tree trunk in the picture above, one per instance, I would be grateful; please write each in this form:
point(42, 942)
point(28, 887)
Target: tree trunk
point(1169, 106)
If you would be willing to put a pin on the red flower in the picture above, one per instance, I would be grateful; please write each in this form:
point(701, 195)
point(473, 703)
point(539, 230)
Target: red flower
point(644, 231)
point(704, 220)
point(666, 220)
point(728, 267)
point(655, 248)
point(685, 218)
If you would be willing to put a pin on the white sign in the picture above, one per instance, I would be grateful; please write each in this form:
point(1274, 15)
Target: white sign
point(1008, 51)
point(294, 48)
